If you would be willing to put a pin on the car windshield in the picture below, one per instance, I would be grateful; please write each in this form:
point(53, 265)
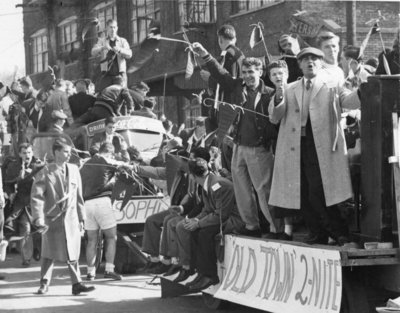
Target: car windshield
point(148, 143)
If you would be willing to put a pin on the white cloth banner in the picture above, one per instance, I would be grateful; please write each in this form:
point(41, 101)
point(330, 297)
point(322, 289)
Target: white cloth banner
point(137, 210)
point(281, 278)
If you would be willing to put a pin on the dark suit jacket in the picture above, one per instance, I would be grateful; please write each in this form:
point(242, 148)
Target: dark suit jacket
point(80, 103)
point(41, 123)
point(15, 181)
point(219, 205)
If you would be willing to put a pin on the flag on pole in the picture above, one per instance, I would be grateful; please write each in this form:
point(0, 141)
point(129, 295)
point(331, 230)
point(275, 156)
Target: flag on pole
point(146, 50)
point(373, 30)
point(227, 115)
point(256, 36)
point(386, 64)
point(191, 63)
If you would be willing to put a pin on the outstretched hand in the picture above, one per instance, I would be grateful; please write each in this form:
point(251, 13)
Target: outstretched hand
point(198, 48)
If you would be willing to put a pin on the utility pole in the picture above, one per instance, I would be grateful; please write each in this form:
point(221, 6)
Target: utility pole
point(351, 22)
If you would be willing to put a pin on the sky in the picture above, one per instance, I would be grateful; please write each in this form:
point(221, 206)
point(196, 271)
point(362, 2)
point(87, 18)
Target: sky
point(12, 38)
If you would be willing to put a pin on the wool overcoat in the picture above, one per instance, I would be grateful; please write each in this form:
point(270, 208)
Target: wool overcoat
point(326, 103)
point(62, 242)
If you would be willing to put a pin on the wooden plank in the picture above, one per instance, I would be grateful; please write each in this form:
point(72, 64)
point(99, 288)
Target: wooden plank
point(371, 262)
point(372, 252)
point(396, 173)
point(396, 168)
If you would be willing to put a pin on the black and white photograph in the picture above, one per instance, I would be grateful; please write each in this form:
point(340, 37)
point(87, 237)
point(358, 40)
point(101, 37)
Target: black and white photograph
point(199, 156)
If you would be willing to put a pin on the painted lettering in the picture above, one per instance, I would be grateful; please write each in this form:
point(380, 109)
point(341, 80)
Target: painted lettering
point(336, 286)
point(235, 288)
point(235, 258)
point(252, 263)
point(300, 293)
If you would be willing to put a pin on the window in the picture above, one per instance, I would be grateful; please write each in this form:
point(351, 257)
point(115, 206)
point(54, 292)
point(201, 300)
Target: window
point(247, 5)
point(68, 34)
point(40, 53)
point(143, 12)
point(105, 11)
point(197, 11)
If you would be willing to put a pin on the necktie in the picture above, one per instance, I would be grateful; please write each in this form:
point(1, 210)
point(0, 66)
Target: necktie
point(308, 84)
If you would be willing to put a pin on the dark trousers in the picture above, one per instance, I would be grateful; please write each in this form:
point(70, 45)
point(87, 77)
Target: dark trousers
point(152, 233)
point(106, 80)
point(320, 219)
point(96, 113)
point(203, 245)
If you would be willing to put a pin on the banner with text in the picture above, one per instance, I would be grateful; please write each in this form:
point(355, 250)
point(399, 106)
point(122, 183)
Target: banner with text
point(137, 210)
point(281, 278)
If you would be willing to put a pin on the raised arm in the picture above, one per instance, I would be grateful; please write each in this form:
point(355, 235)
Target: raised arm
point(217, 71)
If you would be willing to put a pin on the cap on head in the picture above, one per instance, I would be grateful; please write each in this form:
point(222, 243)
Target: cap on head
point(58, 114)
point(200, 121)
point(310, 50)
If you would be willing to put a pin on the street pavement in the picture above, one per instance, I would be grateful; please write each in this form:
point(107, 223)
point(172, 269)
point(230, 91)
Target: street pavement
point(133, 294)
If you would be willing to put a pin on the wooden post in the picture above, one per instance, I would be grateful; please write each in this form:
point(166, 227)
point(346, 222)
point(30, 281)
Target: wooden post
point(396, 169)
point(351, 22)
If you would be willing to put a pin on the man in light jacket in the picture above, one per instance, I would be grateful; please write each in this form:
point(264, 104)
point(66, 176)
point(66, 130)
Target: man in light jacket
point(57, 205)
point(114, 51)
point(311, 170)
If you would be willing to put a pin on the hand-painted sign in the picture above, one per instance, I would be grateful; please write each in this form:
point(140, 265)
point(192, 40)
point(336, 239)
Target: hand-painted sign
point(305, 24)
point(281, 278)
point(137, 210)
point(127, 122)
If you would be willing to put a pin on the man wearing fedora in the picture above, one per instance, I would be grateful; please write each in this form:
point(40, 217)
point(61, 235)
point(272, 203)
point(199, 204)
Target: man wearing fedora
point(58, 120)
point(311, 170)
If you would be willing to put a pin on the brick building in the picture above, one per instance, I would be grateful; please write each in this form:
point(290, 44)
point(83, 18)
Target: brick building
point(53, 28)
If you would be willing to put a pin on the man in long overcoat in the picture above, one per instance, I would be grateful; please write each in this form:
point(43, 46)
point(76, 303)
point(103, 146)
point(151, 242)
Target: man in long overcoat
point(311, 168)
point(57, 204)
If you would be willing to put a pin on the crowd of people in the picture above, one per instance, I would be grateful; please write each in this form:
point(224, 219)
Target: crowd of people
point(284, 155)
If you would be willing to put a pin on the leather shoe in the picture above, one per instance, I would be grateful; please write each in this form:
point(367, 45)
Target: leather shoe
point(43, 289)
point(204, 283)
point(112, 275)
point(175, 268)
point(160, 269)
point(194, 281)
point(79, 287)
point(90, 277)
point(256, 233)
point(36, 254)
point(278, 236)
point(313, 239)
point(183, 275)
point(26, 263)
